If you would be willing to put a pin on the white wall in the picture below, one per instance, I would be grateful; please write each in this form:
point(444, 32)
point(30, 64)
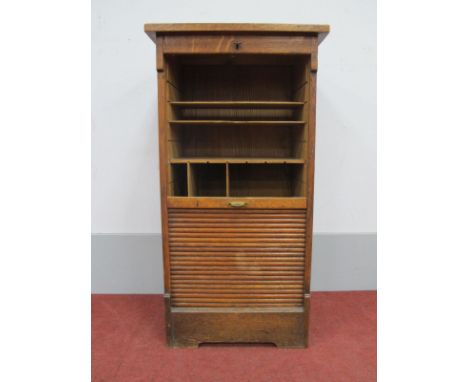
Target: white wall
point(125, 181)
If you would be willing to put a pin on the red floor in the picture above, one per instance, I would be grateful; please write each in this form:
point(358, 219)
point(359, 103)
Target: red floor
point(128, 344)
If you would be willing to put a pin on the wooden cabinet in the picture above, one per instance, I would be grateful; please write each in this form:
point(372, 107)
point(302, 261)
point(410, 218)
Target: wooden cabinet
point(236, 109)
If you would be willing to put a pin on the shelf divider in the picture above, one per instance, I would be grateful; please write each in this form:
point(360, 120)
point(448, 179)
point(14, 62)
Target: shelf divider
point(189, 180)
point(227, 179)
point(238, 104)
point(210, 122)
point(208, 160)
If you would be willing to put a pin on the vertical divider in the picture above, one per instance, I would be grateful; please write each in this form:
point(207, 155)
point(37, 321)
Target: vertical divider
point(189, 180)
point(227, 179)
point(170, 180)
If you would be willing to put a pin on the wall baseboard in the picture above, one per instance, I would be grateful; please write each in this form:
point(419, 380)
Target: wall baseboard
point(132, 263)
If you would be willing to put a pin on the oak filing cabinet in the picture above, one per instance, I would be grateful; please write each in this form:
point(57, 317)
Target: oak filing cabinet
point(236, 106)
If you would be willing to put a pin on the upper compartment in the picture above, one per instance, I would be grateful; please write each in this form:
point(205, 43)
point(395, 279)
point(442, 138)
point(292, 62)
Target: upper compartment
point(237, 106)
point(236, 118)
point(223, 89)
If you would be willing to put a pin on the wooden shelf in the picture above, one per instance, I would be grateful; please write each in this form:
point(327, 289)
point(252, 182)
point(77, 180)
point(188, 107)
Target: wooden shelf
point(232, 122)
point(238, 104)
point(239, 160)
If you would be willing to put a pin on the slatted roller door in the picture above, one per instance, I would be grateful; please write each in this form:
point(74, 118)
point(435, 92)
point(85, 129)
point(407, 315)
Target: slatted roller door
point(237, 258)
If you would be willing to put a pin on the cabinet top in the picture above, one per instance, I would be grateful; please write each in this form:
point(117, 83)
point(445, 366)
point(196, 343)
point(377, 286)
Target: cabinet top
point(154, 29)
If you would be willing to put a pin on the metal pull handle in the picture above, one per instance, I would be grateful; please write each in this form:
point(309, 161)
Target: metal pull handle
point(237, 204)
point(237, 45)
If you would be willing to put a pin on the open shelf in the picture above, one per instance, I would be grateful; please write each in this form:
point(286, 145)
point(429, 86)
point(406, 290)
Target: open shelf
point(275, 180)
point(187, 141)
point(207, 180)
point(247, 179)
point(178, 180)
point(237, 126)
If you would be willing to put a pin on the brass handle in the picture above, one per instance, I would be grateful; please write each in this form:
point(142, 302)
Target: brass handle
point(237, 204)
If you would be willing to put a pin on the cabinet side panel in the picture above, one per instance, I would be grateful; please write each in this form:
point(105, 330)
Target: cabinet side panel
point(163, 168)
point(163, 177)
point(310, 115)
point(310, 158)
